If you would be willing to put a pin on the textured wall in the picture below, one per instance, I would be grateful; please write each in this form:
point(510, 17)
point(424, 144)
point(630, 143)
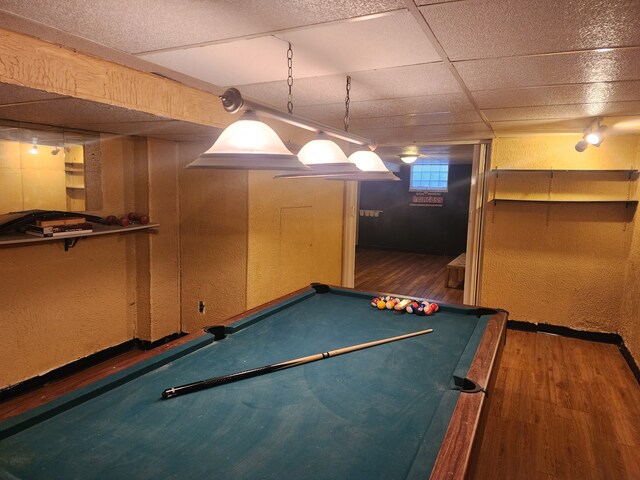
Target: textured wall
point(213, 230)
point(630, 322)
point(566, 264)
point(295, 235)
point(60, 306)
point(164, 247)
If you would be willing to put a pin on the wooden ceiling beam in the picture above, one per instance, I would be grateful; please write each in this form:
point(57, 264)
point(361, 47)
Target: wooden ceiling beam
point(34, 63)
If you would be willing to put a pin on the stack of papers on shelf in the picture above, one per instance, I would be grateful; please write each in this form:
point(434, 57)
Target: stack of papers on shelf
point(59, 227)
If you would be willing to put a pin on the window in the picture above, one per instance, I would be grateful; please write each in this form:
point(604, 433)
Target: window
point(429, 175)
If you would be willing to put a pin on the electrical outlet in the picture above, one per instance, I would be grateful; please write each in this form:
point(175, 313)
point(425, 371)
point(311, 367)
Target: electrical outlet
point(200, 306)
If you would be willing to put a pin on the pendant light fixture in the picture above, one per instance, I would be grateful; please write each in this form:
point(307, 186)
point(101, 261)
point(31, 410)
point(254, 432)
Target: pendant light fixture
point(369, 164)
point(322, 155)
point(324, 158)
point(408, 158)
point(363, 165)
point(371, 167)
point(247, 144)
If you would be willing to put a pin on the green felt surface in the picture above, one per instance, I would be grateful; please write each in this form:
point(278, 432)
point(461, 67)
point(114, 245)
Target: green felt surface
point(375, 413)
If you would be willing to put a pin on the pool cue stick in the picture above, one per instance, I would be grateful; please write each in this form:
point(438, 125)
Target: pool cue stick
point(254, 372)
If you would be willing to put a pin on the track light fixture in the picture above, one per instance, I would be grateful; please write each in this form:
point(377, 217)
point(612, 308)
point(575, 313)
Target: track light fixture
point(593, 135)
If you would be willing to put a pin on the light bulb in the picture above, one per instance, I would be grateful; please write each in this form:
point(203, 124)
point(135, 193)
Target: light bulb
point(595, 137)
point(592, 138)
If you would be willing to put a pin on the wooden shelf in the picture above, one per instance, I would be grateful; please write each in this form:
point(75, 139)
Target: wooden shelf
point(522, 200)
point(534, 170)
point(98, 229)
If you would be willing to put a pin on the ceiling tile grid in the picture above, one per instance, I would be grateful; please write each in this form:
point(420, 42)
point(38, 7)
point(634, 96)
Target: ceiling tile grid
point(600, 92)
point(563, 111)
point(545, 70)
point(158, 24)
point(399, 82)
point(371, 43)
point(500, 28)
point(506, 65)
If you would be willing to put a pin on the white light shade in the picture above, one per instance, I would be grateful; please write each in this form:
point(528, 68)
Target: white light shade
point(368, 161)
point(321, 151)
point(249, 136)
point(408, 158)
point(248, 144)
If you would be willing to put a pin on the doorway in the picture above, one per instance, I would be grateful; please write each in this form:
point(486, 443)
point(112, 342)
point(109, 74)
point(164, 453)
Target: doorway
point(406, 237)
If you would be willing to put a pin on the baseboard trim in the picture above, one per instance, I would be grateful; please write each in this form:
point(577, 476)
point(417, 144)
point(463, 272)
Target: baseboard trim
point(82, 364)
point(602, 337)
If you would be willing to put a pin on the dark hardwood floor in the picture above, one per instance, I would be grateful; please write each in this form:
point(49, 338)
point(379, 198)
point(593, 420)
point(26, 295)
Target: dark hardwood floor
point(409, 274)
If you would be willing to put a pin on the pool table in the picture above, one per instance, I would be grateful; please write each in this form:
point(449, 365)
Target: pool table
point(391, 411)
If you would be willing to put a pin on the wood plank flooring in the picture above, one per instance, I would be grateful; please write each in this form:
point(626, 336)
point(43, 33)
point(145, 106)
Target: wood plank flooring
point(409, 274)
point(562, 408)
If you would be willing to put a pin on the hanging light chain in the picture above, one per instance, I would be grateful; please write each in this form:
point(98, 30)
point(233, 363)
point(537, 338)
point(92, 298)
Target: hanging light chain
point(347, 100)
point(290, 78)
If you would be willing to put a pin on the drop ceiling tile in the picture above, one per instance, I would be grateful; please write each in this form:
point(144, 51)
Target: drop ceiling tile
point(145, 25)
point(562, 111)
point(409, 81)
point(449, 103)
point(527, 127)
point(559, 95)
point(422, 3)
point(466, 131)
point(351, 46)
point(453, 153)
point(541, 70)
point(410, 120)
point(259, 59)
point(500, 28)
